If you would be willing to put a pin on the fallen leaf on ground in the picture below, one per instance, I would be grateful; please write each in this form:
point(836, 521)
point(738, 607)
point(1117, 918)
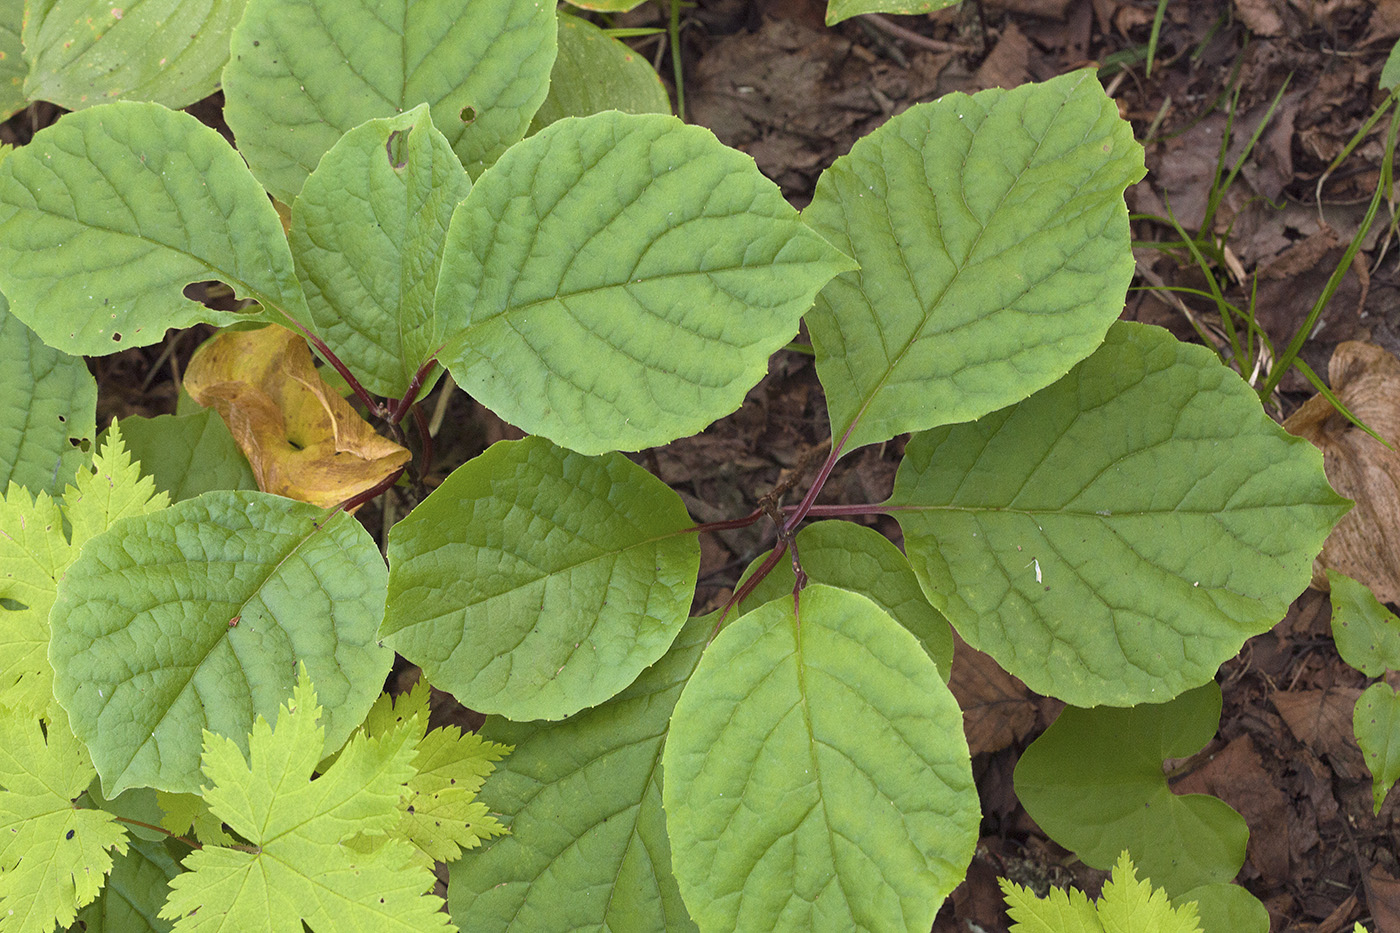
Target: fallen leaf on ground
point(302, 439)
point(1365, 545)
point(1321, 720)
point(1236, 775)
point(997, 708)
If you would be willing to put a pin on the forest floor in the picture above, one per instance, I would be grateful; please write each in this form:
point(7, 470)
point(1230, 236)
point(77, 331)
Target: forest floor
point(768, 78)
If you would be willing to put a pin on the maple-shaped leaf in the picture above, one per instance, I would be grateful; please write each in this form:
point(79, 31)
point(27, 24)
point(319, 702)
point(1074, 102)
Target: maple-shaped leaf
point(35, 552)
point(440, 815)
point(53, 856)
point(1126, 904)
point(299, 867)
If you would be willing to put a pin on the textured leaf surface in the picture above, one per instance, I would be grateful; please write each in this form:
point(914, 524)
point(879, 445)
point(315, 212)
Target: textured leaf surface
point(1367, 634)
point(817, 777)
point(302, 869)
point(187, 455)
point(12, 66)
point(594, 72)
point(1115, 537)
point(85, 52)
point(536, 581)
point(1126, 904)
point(194, 618)
point(860, 559)
point(587, 848)
point(108, 214)
point(1094, 782)
point(50, 402)
point(1227, 907)
point(620, 280)
point(305, 71)
point(53, 856)
point(993, 246)
point(838, 10)
point(367, 233)
point(1376, 721)
point(134, 893)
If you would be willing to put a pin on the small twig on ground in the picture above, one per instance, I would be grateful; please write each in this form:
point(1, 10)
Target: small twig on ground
point(890, 27)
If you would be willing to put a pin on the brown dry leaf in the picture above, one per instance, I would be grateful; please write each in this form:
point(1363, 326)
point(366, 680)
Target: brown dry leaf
point(1383, 899)
point(1236, 775)
point(303, 440)
point(1321, 720)
point(997, 708)
point(1365, 545)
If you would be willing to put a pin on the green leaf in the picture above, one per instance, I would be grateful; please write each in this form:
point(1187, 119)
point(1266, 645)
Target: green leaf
point(1114, 538)
point(134, 893)
point(594, 72)
point(53, 856)
point(300, 868)
point(186, 455)
point(620, 280)
point(860, 559)
point(1094, 782)
point(188, 812)
point(12, 66)
point(50, 409)
point(1376, 721)
point(1390, 72)
point(607, 6)
point(1367, 634)
point(1227, 908)
point(817, 777)
point(108, 214)
point(305, 71)
point(536, 581)
point(85, 52)
point(994, 253)
point(839, 10)
point(194, 618)
point(587, 848)
point(1127, 904)
point(367, 233)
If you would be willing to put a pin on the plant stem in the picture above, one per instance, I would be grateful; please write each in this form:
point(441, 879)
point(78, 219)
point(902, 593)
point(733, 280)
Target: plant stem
point(805, 505)
point(354, 502)
point(675, 30)
point(159, 829)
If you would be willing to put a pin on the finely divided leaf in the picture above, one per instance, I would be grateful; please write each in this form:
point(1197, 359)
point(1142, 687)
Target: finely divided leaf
point(85, 52)
point(993, 246)
point(300, 868)
point(587, 848)
point(135, 891)
point(1376, 721)
point(187, 455)
point(860, 559)
point(194, 619)
point(108, 214)
point(817, 777)
point(1127, 904)
point(49, 409)
point(1094, 782)
point(1115, 537)
point(536, 581)
point(595, 72)
point(53, 856)
point(305, 71)
point(367, 233)
point(1367, 634)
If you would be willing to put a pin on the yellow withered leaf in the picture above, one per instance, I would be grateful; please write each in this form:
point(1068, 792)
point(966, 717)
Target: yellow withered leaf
point(303, 440)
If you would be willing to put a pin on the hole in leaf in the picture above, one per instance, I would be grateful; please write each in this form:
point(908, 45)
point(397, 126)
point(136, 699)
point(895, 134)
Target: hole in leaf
point(395, 147)
point(214, 295)
point(116, 337)
point(468, 115)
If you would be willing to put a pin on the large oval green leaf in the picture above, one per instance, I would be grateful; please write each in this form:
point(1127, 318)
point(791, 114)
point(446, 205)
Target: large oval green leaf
point(367, 233)
point(839, 10)
point(1117, 536)
point(618, 281)
point(108, 214)
point(195, 618)
point(994, 253)
point(587, 848)
point(536, 581)
point(817, 777)
point(305, 71)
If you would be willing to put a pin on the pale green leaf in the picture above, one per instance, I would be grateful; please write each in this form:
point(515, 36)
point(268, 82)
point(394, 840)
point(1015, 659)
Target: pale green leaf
point(194, 618)
point(111, 489)
point(1227, 908)
point(108, 214)
point(817, 777)
point(1094, 783)
point(367, 233)
point(301, 869)
point(993, 243)
point(1115, 537)
point(1126, 905)
point(860, 559)
point(1367, 634)
point(536, 581)
point(618, 281)
point(594, 72)
point(135, 892)
point(53, 856)
point(85, 52)
point(12, 66)
point(186, 455)
point(587, 848)
point(305, 71)
point(1376, 721)
point(186, 813)
point(1390, 72)
point(838, 10)
point(607, 6)
point(49, 409)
